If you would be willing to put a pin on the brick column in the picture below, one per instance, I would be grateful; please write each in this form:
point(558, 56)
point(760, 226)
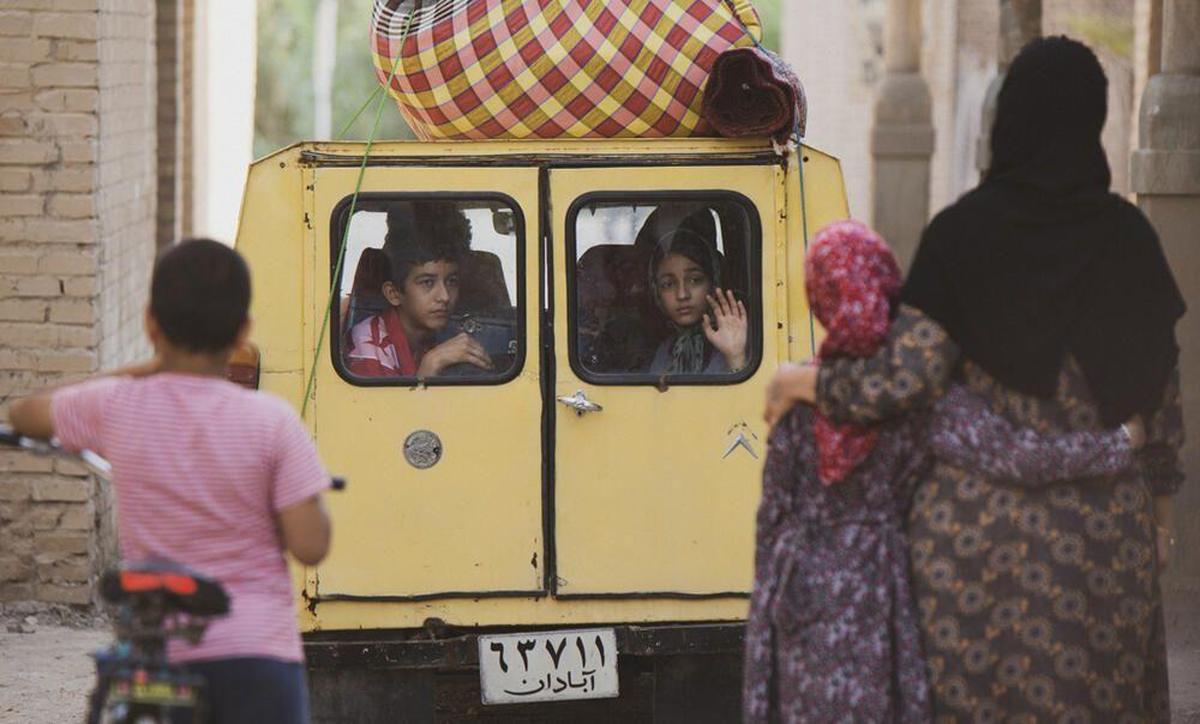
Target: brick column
point(902, 139)
point(76, 228)
point(49, 120)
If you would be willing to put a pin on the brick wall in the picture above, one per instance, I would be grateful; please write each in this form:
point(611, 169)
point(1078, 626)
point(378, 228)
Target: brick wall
point(77, 190)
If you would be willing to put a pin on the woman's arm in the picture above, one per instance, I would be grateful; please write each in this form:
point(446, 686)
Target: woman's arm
point(965, 432)
point(792, 384)
point(911, 370)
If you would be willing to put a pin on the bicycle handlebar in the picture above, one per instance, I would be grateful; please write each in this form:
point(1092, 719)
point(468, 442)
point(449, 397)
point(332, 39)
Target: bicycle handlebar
point(37, 446)
point(89, 459)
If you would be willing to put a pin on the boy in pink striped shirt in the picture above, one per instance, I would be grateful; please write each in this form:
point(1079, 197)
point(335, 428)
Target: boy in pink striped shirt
point(207, 474)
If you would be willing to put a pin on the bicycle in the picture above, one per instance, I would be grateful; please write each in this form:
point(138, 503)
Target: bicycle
point(155, 602)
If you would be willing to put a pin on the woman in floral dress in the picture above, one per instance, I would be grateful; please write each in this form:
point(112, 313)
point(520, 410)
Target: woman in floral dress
point(832, 633)
point(1051, 298)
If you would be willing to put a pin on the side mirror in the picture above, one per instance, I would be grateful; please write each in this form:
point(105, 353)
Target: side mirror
point(503, 221)
point(244, 365)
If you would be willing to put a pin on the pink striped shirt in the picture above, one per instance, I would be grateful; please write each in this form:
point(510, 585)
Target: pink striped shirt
point(201, 467)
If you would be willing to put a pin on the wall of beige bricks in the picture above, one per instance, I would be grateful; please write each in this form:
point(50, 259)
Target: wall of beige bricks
point(77, 242)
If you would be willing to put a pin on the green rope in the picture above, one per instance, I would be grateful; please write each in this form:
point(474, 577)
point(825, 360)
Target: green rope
point(812, 327)
point(346, 128)
point(362, 171)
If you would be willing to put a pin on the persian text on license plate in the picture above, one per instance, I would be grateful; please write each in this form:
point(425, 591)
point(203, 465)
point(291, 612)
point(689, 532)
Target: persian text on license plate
point(548, 666)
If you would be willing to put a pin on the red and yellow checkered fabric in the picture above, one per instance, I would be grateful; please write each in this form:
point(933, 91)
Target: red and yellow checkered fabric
point(476, 69)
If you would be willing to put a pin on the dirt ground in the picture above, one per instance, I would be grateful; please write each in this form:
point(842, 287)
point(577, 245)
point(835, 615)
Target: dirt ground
point(46, 674)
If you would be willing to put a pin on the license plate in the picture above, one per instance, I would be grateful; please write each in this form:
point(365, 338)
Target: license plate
point(161, 693)
point(548, 666)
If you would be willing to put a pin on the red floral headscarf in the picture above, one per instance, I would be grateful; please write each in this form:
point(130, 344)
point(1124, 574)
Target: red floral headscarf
point(853, 281)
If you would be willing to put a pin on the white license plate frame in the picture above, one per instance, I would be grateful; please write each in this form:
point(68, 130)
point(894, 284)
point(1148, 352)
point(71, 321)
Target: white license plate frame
point(533, 666)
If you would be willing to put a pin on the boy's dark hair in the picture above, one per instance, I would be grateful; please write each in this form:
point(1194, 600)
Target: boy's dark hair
point(200, 295)
point(423, 231)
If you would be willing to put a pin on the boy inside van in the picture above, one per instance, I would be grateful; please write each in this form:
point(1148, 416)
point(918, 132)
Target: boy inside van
point(424, 246)
point(207, 474)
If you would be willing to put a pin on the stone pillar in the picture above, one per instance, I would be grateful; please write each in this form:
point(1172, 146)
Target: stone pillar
point(1166, 178)
point(902, 139)
point(1147, 55)
point(1020, 22)
point(169, 51)
point(187, 114)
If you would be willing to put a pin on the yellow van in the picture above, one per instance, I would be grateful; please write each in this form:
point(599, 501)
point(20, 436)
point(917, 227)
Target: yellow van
point(581, 500)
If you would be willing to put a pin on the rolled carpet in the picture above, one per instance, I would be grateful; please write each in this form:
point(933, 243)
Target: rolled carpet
point(753, 92)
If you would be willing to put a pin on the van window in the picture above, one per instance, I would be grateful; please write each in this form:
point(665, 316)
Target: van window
point(430, 289)
point(665, 288)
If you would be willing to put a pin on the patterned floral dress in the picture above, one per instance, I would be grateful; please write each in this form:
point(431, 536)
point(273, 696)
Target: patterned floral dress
point(833, 629)
point(1038, 602)
point(832, 632)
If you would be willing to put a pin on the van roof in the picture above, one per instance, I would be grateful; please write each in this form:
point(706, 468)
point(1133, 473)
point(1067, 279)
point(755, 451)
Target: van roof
point(510, 152)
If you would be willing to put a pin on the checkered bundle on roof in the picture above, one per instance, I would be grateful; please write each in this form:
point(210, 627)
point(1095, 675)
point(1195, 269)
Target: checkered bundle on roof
point(476, 69)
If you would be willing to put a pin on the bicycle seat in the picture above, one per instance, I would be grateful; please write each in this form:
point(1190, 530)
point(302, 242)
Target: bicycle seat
point(182, 589)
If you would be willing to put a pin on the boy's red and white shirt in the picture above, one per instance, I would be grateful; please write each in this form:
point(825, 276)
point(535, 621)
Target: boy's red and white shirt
point(379, 348)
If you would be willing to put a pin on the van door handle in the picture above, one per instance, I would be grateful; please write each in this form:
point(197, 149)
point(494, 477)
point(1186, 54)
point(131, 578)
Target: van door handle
point(580, 403)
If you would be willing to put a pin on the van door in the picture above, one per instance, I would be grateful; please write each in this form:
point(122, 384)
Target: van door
point(445, 494)
point(658, 439)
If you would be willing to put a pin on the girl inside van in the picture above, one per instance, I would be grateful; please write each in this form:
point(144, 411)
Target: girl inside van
point(709, 323)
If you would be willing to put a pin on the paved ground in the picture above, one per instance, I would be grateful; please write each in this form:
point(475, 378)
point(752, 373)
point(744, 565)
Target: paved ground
point(45, 676)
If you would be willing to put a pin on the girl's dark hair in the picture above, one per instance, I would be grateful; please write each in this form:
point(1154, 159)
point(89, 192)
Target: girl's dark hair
point(423, 231)
point(200, 295)
point(690, 245)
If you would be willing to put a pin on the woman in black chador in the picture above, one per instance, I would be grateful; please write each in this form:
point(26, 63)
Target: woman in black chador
point(1037, 602)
